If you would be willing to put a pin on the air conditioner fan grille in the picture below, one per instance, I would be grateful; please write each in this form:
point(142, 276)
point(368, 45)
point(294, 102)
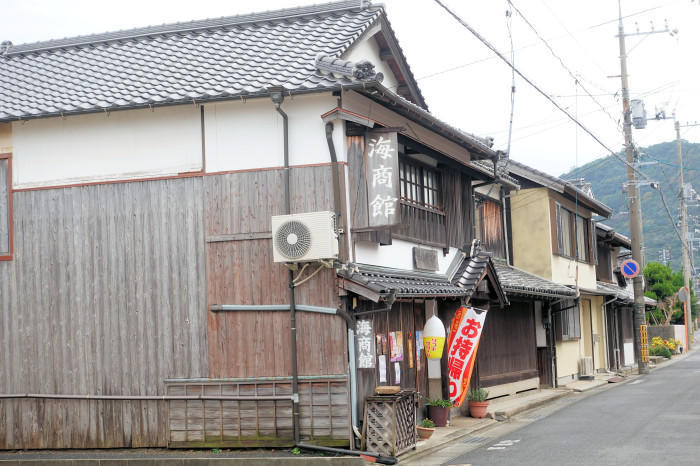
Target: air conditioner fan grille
point(293, 239)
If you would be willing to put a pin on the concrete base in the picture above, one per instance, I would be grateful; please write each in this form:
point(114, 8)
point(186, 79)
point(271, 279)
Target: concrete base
point(513, 388)
point(502, 409)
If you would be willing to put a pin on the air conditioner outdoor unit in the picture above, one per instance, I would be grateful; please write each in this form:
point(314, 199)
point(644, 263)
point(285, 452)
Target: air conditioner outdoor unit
point(304, 237)
point(585, 367)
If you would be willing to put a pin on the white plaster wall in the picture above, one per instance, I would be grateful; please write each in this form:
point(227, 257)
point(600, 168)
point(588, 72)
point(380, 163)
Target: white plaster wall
point(97, 147)
point(243, 135)
point(369, 50)
point(398, 255)
point(564, 272)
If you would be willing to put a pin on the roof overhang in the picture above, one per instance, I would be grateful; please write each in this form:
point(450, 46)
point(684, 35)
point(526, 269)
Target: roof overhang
point(556, 184)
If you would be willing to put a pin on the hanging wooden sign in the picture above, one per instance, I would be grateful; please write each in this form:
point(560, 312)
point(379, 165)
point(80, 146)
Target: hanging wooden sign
point(382, 166)
point(366, 345)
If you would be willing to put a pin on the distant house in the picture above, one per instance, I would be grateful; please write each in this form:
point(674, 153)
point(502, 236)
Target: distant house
point(619, 298)
point(140, 304)
point(514, 354)
point(554, 238)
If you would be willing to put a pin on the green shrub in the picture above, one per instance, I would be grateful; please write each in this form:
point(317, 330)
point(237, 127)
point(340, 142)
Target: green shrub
point(660, 351)
point(427, 423)
point(477, 394)
point(439, 402)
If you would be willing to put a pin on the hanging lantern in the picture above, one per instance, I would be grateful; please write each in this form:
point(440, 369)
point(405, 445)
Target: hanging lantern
point(434, 338)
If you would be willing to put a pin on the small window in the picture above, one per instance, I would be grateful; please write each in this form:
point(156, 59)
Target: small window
point(420, 185)
point(5, 207)
point(581, 238)
point(568, 324)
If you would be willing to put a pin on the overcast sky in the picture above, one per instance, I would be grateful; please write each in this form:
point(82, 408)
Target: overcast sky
point(463, 82)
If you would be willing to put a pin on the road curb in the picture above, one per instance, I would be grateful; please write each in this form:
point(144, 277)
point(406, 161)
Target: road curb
point(506, 414)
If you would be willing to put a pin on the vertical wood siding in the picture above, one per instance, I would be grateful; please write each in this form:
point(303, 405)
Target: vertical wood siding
point(405, 317)
point(105, 295)
point(458, 201)
point(508, 346)
point(255, 344)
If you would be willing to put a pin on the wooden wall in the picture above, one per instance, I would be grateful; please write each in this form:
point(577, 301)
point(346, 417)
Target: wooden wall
point(508, 347)
point(421, 225)
point(241, 271)
point(105, 295)
point(405, 317)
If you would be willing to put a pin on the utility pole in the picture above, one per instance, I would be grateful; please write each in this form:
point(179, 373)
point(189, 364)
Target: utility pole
point(686, 247)
point(635, 204)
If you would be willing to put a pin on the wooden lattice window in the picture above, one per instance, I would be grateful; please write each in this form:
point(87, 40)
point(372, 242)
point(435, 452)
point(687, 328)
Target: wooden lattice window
point(420, 185)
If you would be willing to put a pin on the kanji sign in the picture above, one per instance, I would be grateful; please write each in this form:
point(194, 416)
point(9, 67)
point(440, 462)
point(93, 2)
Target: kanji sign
point(630, 268)
point(463, 342)
point(366, 341)
point(382, 165)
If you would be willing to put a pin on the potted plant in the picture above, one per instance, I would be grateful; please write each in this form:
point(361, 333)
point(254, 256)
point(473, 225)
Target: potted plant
point(438, 410)
point(425, 428)
point(477, 402)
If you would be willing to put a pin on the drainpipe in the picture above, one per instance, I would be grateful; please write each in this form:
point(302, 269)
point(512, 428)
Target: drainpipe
point(552, 344)
point(336, 181)
point(277, 98)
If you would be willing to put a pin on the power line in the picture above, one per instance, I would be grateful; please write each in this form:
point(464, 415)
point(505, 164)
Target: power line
point(561, 62)
point(537, 88)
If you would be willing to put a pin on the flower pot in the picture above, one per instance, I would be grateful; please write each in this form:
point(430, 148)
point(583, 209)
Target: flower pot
point(438, 415)
point(425, 432)
point(478, 408)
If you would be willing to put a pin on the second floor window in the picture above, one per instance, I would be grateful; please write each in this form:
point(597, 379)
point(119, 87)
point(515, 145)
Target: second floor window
point(573, 235)
point(420, 185)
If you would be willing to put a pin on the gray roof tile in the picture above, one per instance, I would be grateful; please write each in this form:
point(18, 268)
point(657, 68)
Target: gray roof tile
point(519, 282)
point(176, 63)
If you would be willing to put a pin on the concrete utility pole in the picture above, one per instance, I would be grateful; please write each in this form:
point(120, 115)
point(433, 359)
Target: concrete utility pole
point(635, 203)
point(685, 244)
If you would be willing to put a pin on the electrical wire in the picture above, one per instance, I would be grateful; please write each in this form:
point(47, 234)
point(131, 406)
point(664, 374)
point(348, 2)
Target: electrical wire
point(537, 88)
point(561, 62)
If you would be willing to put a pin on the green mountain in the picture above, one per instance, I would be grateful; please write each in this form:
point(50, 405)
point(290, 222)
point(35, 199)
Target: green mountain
point(607, 175)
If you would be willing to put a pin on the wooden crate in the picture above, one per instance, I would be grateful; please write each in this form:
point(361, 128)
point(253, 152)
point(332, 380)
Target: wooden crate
point(390, 423)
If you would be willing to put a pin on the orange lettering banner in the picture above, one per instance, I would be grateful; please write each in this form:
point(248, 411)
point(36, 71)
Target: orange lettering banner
point(463, 342)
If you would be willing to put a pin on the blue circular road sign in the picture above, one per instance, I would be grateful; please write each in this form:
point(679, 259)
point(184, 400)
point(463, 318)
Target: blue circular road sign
point(630, 268)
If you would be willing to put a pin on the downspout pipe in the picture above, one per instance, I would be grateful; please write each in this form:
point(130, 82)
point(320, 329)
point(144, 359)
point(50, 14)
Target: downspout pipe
point(277, 96)
point(336, 176)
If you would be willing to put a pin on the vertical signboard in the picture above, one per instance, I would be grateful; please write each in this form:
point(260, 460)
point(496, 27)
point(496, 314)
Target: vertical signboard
point(463, 343)
point(382, 164)
point(366, 352)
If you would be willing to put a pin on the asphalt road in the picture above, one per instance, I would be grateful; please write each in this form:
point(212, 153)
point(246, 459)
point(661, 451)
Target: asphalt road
point(653, 419)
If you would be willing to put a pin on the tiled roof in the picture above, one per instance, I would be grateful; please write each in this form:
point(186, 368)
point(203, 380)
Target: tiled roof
point(179, 63)
point(623, 294)
point(519, 282)
point(404, 284)
point(521, 170)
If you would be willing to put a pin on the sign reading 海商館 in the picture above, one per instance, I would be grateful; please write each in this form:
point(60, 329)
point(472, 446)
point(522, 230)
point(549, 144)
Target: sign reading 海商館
point(463, 342)
point(366, 349)
point(382, 175)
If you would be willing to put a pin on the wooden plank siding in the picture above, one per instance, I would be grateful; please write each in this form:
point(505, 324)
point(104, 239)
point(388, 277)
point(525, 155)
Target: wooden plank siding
point(450, 228)
point(104, 296)
point(405, 317)
point(242, 272)
point(508, 347)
